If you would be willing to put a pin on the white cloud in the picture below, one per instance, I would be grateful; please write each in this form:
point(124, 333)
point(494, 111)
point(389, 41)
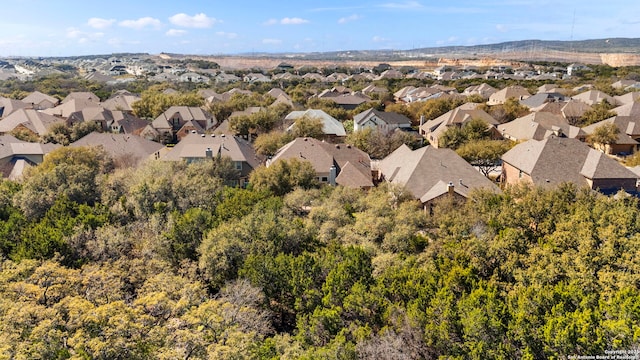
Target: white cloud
point(141, 23)
point(201, 21)
point(98, 23)
point(347, 19)
point(227, 35)
point(378, 39)
point(286, 21)
point(81, 36)
point(73, 33)
point(293, 21)
point(272, 41)
point(404, 5)
point(175, 32)
point(501, 28)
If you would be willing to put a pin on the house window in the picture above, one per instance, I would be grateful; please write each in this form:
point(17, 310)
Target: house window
point(238, 165)
point(324, 179)
point(520, 174)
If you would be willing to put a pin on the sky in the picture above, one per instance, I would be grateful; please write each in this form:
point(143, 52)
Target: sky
point(70, 28)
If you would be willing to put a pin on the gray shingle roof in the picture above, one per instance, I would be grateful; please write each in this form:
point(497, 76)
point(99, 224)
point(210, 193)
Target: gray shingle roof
point(538, 125)
point(391, 118)
point(132, 148)
point(353, 164)
point(195, 146)
point(423, 171)
point(36, 121)
point(557, 160)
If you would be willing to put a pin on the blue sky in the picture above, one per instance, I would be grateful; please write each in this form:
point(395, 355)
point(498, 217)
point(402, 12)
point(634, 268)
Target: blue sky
point(64, 28)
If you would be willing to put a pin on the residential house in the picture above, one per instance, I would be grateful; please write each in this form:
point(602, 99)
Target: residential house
point(17, 155)
point(628, 137)
point(632, 109)
point(97, 76)
point(573, 111)
point(485, 90)
point(126, 123)
point(390, 74)
point(313, 76)
point(207, 93)
point(275, 92)
point(226, 78)
point(538, 126)
point(335, 164)
point(500, 97)
point(557, 160)
point(178, 121)
point(431, 174)
point(575, 67)
point(336, 77)
point(40, 101)
point(433, 129)
point(540, 99)
point(623, 84)
point(65, 109)
point(256, 77)
point(384, 121)
point(627, 98)
point(550, 107)
point(200, 147)
point(32, 121)
point(125, 149)
point(122, 100)
point(373, 90)
point(349, 101)
point(81, 95)
point(191, 77)
point(283, 99)
point(164, 77)
point(551, 88)
point(592, 97)
point(8, 106)
point(332, 128)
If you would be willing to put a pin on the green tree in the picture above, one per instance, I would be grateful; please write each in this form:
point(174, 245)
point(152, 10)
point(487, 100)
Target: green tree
point(307, 127)
point(484, 154)
point(269, 143)
point(598, 112)
point(153, 102)
point(604, 136)
point(72, 173)
point(283, 176)
point(456, 136)
point(379, 143)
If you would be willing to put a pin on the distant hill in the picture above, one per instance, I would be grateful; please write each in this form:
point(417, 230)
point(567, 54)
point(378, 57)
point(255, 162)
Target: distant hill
point(613, 51)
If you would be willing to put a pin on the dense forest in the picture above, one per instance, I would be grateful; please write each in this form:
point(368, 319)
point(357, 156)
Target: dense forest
point(166, 262)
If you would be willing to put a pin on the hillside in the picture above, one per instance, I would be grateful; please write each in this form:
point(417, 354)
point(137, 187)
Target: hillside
point(614, 52)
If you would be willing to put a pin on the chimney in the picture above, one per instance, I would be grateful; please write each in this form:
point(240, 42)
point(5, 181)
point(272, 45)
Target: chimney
point(208, 153)
point(450, 188)
point(333, 173)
